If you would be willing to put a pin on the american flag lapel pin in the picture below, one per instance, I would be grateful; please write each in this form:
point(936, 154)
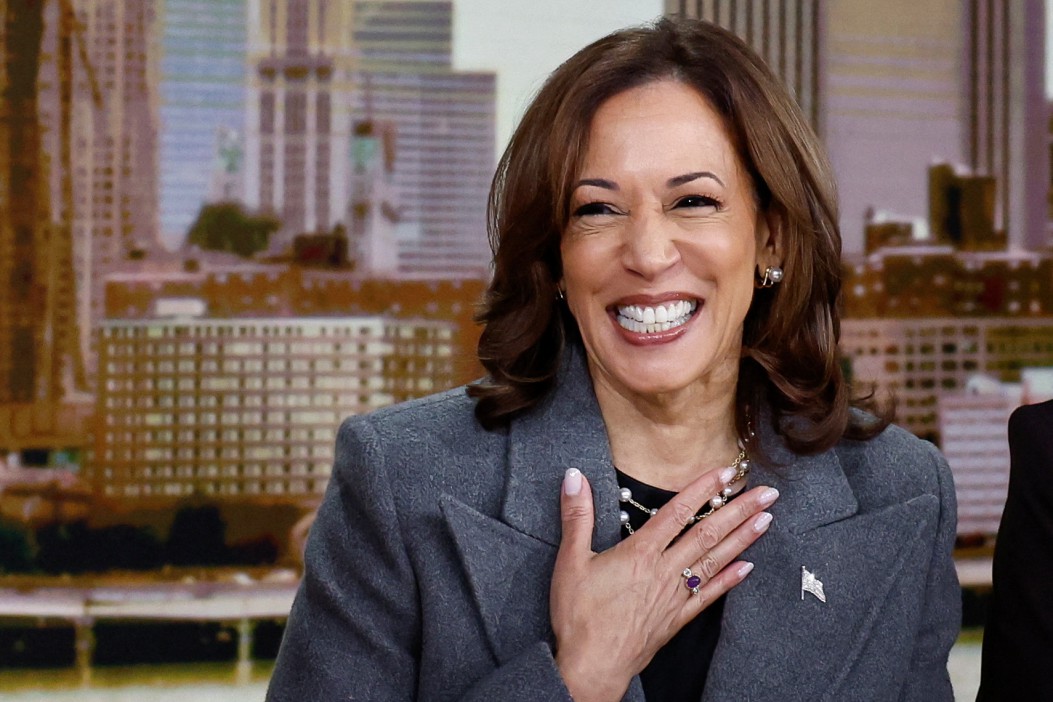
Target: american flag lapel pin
point(812, 584)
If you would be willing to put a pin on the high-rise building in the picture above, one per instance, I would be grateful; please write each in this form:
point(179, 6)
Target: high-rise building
point(25, 232)
point(40, 361)
point(902, 83)
point(247, 407)
point(444, 130)
point(202, 96)
point(975, 441)
point(1006, 89)
point(229, 291)
point(917, 359)
point(298, 122)
point(786, 33)
point(98, 106)
point(321, 70)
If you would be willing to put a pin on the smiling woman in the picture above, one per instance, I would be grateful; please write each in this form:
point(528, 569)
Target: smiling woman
point(662, 488)
point(659, 254)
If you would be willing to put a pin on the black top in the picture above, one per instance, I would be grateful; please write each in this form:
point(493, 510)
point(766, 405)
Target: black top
point(677, 673)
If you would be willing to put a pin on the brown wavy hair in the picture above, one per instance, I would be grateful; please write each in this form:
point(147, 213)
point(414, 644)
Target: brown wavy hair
point(790, 359)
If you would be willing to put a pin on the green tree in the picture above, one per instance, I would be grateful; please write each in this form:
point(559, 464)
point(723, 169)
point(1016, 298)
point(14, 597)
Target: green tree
point(226, 226)
point(197, 537)
point(16, 552)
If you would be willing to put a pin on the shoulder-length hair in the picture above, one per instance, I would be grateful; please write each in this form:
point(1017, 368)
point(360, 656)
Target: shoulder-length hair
point(790, 360)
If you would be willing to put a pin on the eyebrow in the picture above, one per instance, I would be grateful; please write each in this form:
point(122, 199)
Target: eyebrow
point(673, 182)
point(688, 177)
point(597, 182)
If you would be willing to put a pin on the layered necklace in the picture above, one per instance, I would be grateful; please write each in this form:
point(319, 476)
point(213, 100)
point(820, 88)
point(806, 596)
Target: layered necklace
point(741, 464)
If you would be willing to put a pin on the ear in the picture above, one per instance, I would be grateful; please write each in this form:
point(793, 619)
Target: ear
point(770, 241)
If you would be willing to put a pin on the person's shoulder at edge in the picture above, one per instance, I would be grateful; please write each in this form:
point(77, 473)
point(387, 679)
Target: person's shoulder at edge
point(1034, 416)
point(893, 466)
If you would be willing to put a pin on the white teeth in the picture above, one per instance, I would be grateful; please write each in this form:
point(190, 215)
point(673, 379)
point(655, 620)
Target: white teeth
point(649, 320)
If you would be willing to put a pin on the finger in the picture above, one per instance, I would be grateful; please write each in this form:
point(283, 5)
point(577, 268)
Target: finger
point(709, 592)
point(576, 514)
point(735, 521)
point(671, 519)
point(714, 560)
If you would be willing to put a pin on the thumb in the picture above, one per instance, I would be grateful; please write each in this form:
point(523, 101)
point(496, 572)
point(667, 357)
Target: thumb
point(576, 513)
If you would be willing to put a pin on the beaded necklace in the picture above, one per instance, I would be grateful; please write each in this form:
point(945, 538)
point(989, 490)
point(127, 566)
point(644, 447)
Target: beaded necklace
point(741, 464)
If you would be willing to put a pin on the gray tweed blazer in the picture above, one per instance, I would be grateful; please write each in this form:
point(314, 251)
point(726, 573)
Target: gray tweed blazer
point(428, 568)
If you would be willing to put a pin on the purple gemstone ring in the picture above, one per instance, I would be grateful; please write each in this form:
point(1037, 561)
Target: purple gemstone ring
point(691, 581)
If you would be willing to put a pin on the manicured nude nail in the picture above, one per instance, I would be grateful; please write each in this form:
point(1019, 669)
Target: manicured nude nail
point(768, 496)
point(761, 522)
point(726, 475)
point(744, 569)
point(572, 481)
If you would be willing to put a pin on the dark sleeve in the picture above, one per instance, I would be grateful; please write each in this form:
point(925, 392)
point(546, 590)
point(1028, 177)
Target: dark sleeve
point(941, 616)
point(1018, 638)
point(354, 632)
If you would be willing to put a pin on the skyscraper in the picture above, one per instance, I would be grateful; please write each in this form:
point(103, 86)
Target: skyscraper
point(202, 95)
point(40, 362)
point(902, 83)
point(786, 33)
point(321, 68)
point(444, 123)
point(298, 122)
point(98, 107)
point(1007, 117)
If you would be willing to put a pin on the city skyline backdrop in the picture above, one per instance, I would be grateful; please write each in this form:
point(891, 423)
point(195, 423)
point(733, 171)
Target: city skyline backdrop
point(334, 158)
point(537, 38)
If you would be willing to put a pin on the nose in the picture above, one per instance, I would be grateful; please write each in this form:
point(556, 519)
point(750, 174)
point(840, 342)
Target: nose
point(649, 248)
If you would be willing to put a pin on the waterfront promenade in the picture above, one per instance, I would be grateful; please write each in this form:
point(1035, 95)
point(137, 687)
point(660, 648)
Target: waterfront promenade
point(237, 597)
point(241, 598)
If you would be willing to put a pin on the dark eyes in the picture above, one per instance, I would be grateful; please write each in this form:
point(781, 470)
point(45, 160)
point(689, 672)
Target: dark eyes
point(594, 208)
point(697, 201)
point(591, 209)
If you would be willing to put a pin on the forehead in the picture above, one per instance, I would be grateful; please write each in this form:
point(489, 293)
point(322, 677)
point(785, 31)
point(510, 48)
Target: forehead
point(662, 124)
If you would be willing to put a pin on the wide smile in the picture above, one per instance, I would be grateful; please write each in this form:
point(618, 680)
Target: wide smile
point(656, 319)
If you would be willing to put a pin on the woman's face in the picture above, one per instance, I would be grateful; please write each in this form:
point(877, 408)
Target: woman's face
point(662, 243)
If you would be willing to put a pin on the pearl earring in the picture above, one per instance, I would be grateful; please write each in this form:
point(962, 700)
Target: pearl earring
point(772, 276)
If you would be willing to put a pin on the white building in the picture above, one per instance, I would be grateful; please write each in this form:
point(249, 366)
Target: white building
point(974, 430)
point(973, 427)
point(916, 360)
point(247, 407)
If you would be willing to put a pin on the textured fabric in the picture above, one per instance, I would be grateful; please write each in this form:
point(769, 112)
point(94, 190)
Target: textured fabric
point(428, 568)
point(1018, 638)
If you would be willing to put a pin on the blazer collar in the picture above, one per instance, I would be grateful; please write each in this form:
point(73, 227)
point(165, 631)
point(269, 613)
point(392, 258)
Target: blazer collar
point(813, 489)
point(565, 431)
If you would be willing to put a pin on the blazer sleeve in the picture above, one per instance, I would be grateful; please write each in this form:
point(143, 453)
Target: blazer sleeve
point(941, 615)
point(354, 632)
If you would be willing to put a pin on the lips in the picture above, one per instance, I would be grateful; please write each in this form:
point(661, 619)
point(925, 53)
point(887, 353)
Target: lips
point(655, 319)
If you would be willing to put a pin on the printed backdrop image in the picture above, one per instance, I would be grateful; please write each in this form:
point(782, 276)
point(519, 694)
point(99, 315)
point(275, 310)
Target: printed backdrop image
point(226, 225)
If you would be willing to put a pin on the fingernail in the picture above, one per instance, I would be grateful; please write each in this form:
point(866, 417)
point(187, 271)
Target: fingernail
point(761, 522)
point(727, 474)
point(744, 569)
point(572, 481)
point(768, 496)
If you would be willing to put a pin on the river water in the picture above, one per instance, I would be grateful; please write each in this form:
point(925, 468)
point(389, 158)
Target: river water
point(175, 682)
point(219, 682)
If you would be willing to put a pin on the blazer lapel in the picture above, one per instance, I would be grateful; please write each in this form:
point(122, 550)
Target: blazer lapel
point(508, 561)
point(815, 527)
point(565, 431)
